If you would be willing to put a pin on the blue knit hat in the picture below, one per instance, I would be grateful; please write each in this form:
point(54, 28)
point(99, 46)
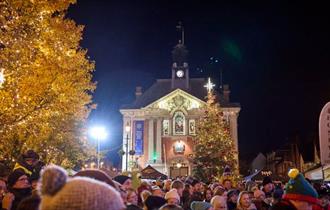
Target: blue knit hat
point(200, 205)
point(299, 189)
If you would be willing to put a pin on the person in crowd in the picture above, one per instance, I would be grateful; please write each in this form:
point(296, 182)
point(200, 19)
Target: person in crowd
point(277, 195)
point(298, 194)
point(154, 202)
point(232, 197)
point(28, 162)
point(156, 191)
point(244, 202)
point(219, 203)
point(259, 200)
point(200, 205)
point(167, 185)
point(30, 203)
point(143, 186)
point(251, 186)
point(98, 175)
point(179, 186)
point(324, 201)
point(4, 172)
point(170, 207)
point(251, 195)
point(226, 179)
point(3, 190)
point(267, 186)
point(125, 181)
point(172, 197)
point(19, 188)
point(58, 192)
point(219, 190)
point(144, 195)
point(186, 196)
point(197, 194)
point(240, 186)
point(208, 195)
point(132, 200)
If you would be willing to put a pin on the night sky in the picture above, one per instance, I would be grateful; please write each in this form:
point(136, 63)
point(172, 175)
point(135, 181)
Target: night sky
point(275, 57)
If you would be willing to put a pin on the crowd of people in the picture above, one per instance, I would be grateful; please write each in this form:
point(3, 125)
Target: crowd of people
point(31, 185)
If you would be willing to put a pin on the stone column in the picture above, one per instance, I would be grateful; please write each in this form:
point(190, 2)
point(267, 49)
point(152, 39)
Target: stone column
point(159, 140)
point(233, 130)
point(150, 140)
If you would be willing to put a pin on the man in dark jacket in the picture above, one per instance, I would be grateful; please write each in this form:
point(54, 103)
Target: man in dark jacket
point(27, 162)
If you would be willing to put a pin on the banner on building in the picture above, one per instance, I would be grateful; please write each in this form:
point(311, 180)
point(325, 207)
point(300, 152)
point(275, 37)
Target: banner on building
point(139, 130)
point(324, 133)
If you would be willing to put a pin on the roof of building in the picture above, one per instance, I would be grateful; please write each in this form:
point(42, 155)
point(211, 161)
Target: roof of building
point(162, 87)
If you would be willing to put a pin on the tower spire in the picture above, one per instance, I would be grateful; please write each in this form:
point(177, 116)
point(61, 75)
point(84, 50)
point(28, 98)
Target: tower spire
point(180, 27)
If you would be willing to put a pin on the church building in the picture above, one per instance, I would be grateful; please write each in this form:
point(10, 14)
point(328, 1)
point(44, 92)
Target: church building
point(159, 127)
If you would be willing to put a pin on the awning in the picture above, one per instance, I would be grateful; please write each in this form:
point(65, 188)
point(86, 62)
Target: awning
point(316, 174)
point(150, 173)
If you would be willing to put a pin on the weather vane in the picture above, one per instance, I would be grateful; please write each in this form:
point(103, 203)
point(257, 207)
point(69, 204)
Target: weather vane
point(209, 85)
point(180, 27)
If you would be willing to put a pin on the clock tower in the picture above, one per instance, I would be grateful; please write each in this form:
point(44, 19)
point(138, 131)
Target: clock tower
point(180, 68)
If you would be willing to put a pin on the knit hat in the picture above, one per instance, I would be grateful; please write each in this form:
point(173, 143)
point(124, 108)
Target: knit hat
point(299, 189)
point(98, 175)
point(14, 176)
point(200, 205)
point(121, 178)
point(173, 193)
point(266, 180)
point(58, 192)
point(154, 202)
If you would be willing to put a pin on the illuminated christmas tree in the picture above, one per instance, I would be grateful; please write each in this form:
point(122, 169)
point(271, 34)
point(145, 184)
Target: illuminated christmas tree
point(214, 146)
point(46, 86)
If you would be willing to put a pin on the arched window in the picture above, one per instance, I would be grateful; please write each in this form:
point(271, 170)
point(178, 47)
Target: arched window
point(179, 123)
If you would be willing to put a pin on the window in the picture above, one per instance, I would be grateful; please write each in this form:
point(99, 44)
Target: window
point(166, 127)
point(179, 123)
point(192, 127)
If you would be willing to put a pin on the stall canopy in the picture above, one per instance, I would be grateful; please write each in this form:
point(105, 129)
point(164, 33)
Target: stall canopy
point(258, 176)
point(150, 173)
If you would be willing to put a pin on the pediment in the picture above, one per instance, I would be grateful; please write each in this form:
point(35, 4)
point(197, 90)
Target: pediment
point(177, 99)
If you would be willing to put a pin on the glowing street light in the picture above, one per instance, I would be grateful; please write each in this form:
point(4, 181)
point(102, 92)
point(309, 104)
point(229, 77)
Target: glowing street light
point(99, 133)
point(127, 129)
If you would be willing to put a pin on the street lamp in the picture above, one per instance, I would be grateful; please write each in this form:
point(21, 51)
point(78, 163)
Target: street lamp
point(127, 129)
point(98, 133)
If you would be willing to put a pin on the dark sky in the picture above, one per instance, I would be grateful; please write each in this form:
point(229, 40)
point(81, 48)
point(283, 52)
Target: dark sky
point(274, 55)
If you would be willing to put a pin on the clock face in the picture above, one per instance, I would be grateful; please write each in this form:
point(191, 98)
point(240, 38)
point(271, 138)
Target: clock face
point(179, 73)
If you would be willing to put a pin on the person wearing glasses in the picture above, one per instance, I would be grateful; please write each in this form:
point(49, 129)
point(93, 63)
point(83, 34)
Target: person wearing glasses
point(19, 188)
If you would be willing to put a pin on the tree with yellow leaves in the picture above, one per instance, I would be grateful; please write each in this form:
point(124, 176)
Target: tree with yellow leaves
point(45, 95)
point(214, 148)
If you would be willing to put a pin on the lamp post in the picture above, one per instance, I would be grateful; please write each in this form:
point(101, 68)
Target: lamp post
point(127, 129)
point(98, 133)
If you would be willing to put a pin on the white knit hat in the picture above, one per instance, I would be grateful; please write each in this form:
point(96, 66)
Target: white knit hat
point(58, 192)
point(173, 193)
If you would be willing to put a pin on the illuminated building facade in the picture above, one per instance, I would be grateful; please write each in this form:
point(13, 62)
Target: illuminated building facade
point(163, 120)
